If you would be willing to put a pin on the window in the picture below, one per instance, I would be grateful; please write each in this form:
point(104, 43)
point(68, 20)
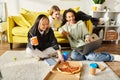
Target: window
point(3, 12)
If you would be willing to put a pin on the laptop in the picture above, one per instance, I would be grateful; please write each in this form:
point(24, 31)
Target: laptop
point(89, 47)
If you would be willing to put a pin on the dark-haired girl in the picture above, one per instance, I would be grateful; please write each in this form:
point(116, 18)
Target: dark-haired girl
point(78, 35)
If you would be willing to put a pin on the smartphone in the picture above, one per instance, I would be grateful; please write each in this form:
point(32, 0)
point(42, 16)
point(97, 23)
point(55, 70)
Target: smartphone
point(50, 61)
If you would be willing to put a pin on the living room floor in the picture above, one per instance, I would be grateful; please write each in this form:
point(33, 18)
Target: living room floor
point(106, 47)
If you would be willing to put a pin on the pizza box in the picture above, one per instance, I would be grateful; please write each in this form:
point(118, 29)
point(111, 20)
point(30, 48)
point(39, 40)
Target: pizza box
point(54, 74)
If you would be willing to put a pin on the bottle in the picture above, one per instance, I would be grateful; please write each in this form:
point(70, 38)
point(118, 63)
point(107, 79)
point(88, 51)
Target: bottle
point(101, 33)
point(106, 18)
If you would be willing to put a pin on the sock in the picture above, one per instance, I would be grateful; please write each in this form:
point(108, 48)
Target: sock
point(116, 57)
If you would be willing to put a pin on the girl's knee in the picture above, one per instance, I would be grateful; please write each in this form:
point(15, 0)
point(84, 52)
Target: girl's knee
point(76, 56)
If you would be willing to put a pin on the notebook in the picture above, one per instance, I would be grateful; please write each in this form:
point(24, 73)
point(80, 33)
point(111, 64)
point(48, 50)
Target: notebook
point(50, 61)
point(89, 47)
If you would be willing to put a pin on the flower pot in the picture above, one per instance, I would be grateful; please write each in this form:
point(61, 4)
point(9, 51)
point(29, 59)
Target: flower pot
point(97, 7)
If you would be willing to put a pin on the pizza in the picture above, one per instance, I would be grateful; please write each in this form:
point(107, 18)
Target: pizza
point(66, 68)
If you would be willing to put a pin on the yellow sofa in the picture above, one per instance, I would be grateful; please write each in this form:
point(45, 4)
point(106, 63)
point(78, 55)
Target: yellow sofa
point(18, 26)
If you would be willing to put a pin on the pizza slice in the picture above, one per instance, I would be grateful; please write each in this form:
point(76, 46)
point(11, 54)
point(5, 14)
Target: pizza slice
point(66, 68)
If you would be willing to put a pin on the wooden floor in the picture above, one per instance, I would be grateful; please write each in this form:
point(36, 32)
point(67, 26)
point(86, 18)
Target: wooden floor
point(106, 47)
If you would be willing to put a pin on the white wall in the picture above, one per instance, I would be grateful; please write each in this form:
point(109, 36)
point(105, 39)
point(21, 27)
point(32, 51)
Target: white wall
point(13, 6)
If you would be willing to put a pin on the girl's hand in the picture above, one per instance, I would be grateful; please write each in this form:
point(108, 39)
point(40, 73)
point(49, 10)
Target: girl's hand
point(34, 41)
point(68, 23)
point(60, 57)
point(65, 33)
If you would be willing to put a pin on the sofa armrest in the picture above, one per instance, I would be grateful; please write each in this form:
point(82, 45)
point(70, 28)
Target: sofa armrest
point(89, 26)
point(10, 25)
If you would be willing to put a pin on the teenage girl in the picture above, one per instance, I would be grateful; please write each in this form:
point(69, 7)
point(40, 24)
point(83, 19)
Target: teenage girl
point(77, 35)
point(55, 17)
point(46, 42)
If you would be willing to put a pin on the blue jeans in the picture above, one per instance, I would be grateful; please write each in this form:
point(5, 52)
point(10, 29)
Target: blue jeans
point(93, 56)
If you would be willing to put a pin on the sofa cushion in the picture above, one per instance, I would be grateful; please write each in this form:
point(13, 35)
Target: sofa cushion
point(21, 21)
point(31, 16)
point(89, 26)
point(62, 40)
point(76, 9)
point(58, 34)
point(20, 31)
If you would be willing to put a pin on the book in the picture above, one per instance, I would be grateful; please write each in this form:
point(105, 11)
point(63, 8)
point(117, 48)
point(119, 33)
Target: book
point(50, 61)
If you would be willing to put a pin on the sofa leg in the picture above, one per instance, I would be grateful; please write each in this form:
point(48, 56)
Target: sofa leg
point(11, 45)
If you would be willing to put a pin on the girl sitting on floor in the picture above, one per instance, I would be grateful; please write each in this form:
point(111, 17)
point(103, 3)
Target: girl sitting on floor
point(45, 43)
point(78, 35)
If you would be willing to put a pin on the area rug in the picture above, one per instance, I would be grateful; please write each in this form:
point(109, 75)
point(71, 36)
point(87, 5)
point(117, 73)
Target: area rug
point(14, 65)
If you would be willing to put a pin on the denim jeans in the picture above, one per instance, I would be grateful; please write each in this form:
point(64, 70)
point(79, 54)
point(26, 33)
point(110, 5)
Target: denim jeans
point(93, 56)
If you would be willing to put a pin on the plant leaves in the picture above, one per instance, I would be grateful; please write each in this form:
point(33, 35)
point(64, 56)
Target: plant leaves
point(98, 1)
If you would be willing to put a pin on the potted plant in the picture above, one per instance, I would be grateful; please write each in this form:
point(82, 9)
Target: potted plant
point(98, 4)
point(98, 1)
